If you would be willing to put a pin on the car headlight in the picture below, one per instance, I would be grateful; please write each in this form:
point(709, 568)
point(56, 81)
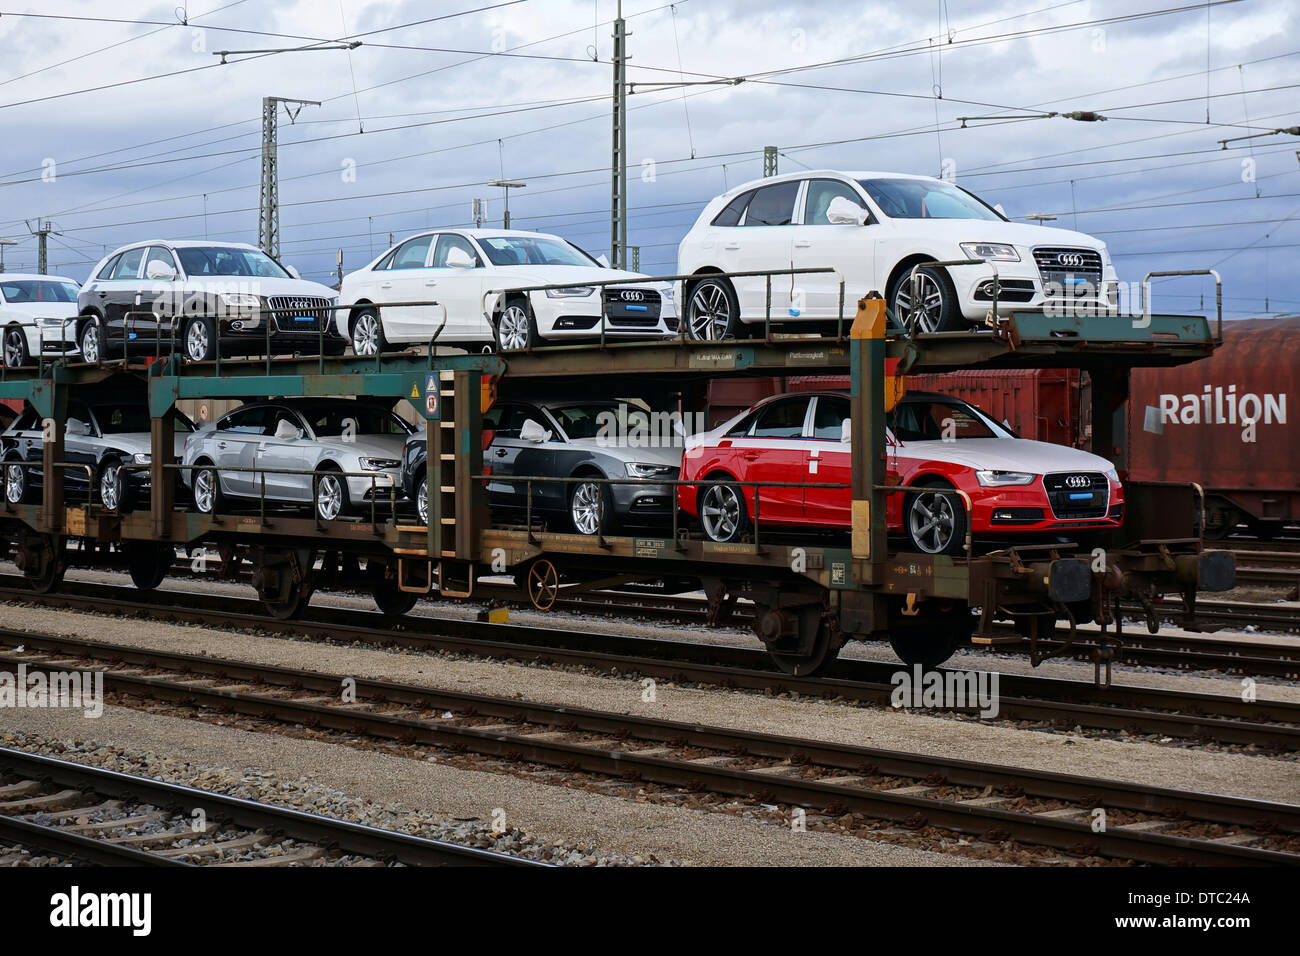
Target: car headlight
point(141, 459)
point(574, 292)
point(378, 464)
point(1105, 258)
point(669, 293)
point(1112, 474)
point(997, 251)
point(641, 469)
point(997, 479)
point(240, 300)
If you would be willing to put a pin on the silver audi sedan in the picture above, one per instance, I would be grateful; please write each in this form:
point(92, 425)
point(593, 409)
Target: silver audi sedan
point(336, 455)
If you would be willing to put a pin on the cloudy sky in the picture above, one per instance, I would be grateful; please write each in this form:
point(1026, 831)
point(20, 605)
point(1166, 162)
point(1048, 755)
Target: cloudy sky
point(121, 124)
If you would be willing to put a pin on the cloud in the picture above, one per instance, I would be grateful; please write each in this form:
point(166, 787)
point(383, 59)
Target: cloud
point(479, 117)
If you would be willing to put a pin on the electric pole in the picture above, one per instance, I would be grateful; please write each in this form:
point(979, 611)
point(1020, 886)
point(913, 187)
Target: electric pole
point(42, 232)
point(268, 208)
point(769, 161)
point(339, 259)
point(618, 198)
point(3, 243)
point(506, 185)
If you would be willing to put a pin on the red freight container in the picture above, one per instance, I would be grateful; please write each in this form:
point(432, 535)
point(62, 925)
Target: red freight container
point(10, 408)
point(1194, 423)
point(1041, 404)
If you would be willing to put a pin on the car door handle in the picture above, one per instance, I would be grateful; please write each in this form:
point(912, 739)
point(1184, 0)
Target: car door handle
point(221, 444)
point(501, 453)
point(733, 244)
point(750, 456)
point(430, 281)
point(802, 243)
point(385, 285)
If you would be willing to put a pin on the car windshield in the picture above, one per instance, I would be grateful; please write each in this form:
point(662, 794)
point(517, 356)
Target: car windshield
point(534, 251)
point(124, 419)
point(941, 419)
point(925, 199)
point(22, 291)
point(200, 261)
point(337, 420)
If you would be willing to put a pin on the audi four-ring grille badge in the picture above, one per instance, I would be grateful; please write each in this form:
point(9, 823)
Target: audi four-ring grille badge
point(1068, 270)
point(632, 308)
point(1078, 495)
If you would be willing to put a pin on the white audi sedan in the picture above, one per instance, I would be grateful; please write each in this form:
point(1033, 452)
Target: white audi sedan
point(872, 229)
point(36, 314)
point(476, 273)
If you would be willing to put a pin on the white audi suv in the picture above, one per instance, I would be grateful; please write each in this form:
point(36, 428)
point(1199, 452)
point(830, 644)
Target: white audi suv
point(474, 273)
point(872, 228)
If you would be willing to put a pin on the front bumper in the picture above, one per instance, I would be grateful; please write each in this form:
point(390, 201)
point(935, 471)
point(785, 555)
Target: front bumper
point(384, 489)
point(655, 315)
point(1027, 509)
point(648, 501)
point(1022, 287)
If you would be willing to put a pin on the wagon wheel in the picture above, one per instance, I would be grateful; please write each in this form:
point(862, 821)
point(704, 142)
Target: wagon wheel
point(49, 576)
point(814, 660)
point(290, 603)
point(285, 595)
point(543, 584)
point(148, 563)
point(391, 600)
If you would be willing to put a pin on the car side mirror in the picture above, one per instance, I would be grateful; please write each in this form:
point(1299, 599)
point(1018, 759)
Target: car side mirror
point(459, 259)
point(533, 432)
point(603, 260)
point(76, 428)
point(846, 430)
point(287, 431)
point(159, 270)
point(843, 211)
point(293, 271)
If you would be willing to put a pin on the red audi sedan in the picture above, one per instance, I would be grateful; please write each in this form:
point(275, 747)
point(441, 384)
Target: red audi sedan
point(936, 444)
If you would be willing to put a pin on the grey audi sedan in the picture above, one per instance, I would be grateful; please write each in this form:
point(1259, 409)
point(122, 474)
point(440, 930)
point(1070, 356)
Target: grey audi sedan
point(609, 457)
point(336, 455)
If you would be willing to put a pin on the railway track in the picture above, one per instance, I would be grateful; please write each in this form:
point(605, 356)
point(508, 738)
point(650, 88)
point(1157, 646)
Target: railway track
point(1255, 658)
point(910, 792)
point(102, 817)
point(1058, 703)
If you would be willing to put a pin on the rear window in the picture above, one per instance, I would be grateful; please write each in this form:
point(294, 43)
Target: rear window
point(773, 205)
point(731, 214)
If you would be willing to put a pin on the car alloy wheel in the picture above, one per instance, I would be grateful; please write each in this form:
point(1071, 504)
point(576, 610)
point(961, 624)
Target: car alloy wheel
point(722, 512)
point(16, 353)
point(927, 314)
point(932, 521)
point(422, 502)
point(110, 484)
point(197, 341)
point(90, 342)
point(329, 497)
point(514, 327)
point(587, 507)
point(205, 490)
point(366, 334)
point(709, 315)
point(15, 483)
